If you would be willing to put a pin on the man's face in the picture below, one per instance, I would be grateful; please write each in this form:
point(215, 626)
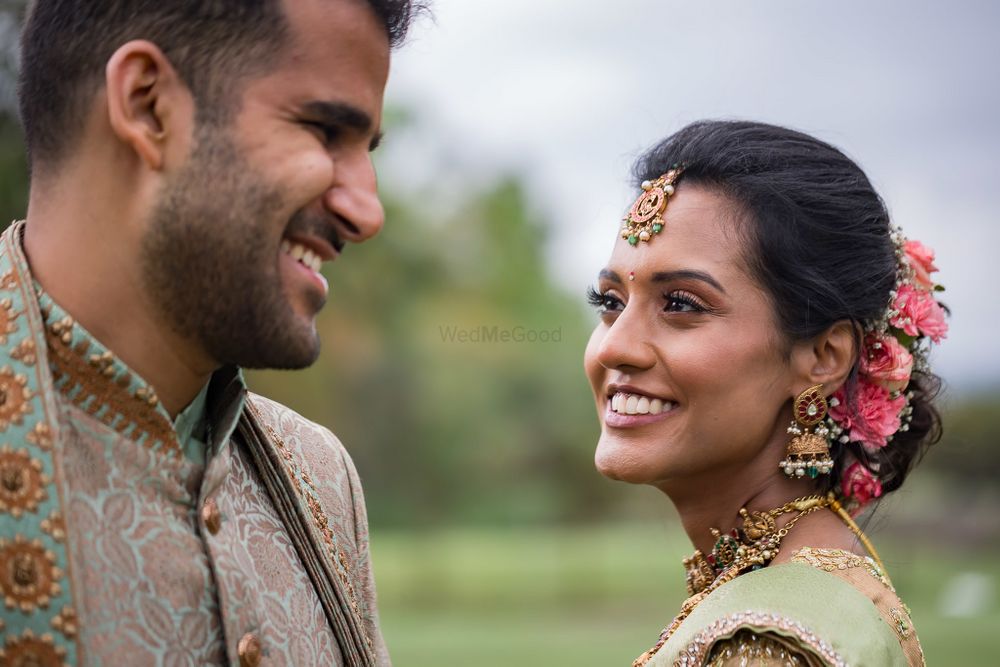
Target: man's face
point(239, 231)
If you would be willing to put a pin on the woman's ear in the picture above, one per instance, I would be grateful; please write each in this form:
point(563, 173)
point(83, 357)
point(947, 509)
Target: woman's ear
point(148, 103)
point(827, 358)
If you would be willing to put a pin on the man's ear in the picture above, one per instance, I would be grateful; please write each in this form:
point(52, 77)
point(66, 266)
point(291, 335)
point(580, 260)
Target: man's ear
point(827, 358)
point(148, 103)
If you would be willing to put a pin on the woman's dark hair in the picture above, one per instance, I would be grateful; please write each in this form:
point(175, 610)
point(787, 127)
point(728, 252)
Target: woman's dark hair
point(819, 244)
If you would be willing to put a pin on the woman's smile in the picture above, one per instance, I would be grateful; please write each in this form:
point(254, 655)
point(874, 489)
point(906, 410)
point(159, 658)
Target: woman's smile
point(628, 406)
point(628, 410)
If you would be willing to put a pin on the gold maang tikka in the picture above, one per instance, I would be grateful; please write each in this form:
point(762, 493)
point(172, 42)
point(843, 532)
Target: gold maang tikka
point(645, 218)
point(808, 450)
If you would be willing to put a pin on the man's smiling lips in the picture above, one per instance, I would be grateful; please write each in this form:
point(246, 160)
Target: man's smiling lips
point(309, 254)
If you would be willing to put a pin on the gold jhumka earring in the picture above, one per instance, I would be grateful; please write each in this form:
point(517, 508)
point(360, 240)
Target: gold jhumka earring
point(808, 451)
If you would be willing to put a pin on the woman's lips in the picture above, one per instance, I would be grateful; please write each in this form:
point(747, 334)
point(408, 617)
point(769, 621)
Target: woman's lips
point(634, 403)
point(628, 409)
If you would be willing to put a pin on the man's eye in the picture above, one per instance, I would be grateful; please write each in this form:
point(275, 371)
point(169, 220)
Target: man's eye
point(328, 133)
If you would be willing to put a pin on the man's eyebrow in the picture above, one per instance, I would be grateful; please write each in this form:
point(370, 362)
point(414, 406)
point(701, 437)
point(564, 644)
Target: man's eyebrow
point(608, 274)
point(687, 274)
point(343, 115)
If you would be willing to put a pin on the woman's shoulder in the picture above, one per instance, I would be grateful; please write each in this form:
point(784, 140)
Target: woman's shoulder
point(866, 576)
point(823, 607)
point(862, 572)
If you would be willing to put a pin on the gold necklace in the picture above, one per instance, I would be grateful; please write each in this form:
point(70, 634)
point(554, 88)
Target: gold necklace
point(734, 555)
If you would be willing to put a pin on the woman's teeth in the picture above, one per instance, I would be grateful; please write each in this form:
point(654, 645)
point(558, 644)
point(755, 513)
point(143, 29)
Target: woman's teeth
point(302, 255)
point(634, 404)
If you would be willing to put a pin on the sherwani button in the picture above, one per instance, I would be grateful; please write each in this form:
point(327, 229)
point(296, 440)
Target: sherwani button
point(211, 516)
point(249, 650)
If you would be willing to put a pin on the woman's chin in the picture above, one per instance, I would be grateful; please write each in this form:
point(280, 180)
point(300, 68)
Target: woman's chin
point(617, 463)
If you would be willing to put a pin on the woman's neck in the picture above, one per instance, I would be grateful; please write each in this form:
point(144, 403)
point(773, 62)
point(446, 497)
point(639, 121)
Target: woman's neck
point(705, 504)
point(701, 512)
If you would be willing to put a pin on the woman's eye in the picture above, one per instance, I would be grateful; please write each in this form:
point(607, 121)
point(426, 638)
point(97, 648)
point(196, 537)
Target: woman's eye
point(603, 302)
point(682, 302)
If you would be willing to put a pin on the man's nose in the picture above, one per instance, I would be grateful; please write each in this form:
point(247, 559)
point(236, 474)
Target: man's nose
point(353, 200)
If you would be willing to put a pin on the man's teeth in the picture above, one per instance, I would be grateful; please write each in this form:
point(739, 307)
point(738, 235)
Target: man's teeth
point(302, 254)
point(634, 404)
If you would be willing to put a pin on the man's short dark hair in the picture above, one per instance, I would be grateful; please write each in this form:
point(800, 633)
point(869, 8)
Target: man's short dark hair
point(213, 44)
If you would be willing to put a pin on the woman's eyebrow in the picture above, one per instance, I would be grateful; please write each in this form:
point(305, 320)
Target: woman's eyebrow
point(608, 274)
point(687, 274)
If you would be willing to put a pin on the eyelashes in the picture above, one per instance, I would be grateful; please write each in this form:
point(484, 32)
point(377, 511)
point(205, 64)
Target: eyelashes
point(678, 301)
point(684, 302)
point(602, 302)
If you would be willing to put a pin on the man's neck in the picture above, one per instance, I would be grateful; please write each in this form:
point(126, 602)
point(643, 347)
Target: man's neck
point(85, 256)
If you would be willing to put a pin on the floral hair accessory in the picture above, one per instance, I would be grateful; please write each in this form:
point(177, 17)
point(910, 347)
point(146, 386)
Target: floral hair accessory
point(860, 485)
point(893, 347)
point(645, 218)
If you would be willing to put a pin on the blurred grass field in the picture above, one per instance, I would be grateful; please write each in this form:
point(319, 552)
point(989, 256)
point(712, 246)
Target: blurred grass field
point(600, 595)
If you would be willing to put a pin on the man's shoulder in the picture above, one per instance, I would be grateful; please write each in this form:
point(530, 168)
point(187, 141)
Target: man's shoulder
point(303, 437)
point(317, 456)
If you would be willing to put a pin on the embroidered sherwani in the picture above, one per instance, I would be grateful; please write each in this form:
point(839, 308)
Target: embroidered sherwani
point(129, 538)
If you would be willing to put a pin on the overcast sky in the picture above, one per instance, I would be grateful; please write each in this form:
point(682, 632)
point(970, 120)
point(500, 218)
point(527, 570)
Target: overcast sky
point(570, 92)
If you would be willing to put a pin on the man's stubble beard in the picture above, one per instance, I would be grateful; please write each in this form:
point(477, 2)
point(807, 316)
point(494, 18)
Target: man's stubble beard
point(210, 264)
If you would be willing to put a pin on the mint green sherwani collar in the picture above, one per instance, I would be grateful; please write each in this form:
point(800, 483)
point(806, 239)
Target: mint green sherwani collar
point(190, 428)
point(88, 373)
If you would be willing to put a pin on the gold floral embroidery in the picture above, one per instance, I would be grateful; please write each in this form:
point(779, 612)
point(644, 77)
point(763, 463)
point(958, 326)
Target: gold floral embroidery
point(830, 560)
point(28, 574)
point(55, 526)
point(22, 483)
point(41, 436)
point(750, 648)
point(104, 363)
point(63, 329)
point(29, 650)
point(15, 398)
point(319, 517)
point(90, 391)
point(903, 624)
point(146, 394)
point(8, 319)
point(66, 622)
point(25, 352)
point(694, 654)
point(8, 281)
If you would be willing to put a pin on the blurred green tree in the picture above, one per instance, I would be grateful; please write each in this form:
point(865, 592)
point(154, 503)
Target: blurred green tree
point(445, 430)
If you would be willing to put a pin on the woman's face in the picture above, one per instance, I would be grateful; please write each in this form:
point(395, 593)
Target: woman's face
point(687, 366)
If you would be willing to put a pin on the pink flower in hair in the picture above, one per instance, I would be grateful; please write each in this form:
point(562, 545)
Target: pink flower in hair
point(922, 262)
point(917, 313)
point(860, 484)
point(875, 418)
point(886, 362)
